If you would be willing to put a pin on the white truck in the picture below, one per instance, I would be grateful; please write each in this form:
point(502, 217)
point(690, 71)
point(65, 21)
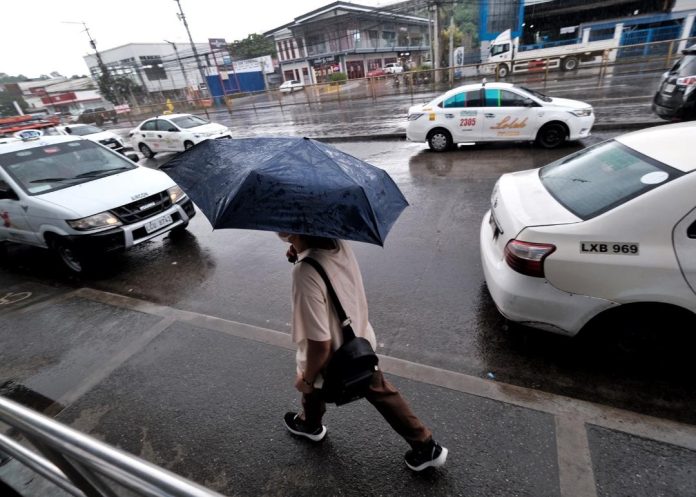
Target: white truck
point(507, 55)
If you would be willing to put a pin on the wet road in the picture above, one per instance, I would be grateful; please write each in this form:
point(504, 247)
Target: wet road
point(428, 300)
point(362, 107)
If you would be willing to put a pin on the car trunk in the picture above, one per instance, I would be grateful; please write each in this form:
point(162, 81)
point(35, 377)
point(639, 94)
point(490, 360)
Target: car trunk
point(519, 200)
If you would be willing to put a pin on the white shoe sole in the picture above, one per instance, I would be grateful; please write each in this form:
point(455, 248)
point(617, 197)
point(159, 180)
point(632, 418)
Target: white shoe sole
point(435, 463)
point(313, 438)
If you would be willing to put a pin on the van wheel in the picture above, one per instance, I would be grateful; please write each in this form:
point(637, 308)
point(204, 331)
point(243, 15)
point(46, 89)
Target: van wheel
point(569, 64)
point(551, 135)
point(440, 140)
point(503, 71)
point(146, 151)
point(67, 254)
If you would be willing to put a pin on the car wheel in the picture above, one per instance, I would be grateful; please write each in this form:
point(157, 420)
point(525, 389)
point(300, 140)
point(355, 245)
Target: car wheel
point(569, 64)
point(188, 144)
point(551, 135)
point(146, 151)
point(503, 71)
point(71, 259)
point(440, 140)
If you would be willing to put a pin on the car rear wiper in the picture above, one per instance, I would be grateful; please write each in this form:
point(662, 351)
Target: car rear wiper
point(99, 172)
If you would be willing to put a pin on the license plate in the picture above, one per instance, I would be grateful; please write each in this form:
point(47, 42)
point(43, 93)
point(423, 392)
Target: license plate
point(158, 223)
point(668, 88)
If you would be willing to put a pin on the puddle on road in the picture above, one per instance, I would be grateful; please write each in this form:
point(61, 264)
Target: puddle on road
point(30, 398)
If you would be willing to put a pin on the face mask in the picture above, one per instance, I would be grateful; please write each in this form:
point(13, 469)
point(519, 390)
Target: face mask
point(284, 237)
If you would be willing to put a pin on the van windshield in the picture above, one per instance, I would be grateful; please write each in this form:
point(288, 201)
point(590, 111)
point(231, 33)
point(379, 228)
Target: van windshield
point(600, 178)
point(53, 167)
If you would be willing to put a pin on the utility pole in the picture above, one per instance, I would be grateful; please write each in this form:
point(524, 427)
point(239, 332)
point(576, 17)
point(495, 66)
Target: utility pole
point(451, 49)
point(181, 64)
point(105, 75)
point(182, 18)
point(436, 42)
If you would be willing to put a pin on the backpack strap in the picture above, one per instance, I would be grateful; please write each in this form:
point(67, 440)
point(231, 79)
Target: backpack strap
point(346, 328)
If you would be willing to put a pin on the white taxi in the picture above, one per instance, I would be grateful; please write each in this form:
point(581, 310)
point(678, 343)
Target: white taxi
point(498, 112)
point(174, 133)
point(607, 231)
point(81, 199)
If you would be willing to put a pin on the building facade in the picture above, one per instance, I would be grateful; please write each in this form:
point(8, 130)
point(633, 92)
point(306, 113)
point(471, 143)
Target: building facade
point(155, 67)
point(349, 38)
point(60, 95)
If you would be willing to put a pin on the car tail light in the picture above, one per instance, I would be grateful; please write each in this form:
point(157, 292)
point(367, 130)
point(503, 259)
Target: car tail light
point(527, 258)
point(687, 81)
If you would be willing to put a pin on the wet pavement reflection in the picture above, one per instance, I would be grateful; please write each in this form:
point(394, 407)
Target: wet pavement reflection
point(428, 300)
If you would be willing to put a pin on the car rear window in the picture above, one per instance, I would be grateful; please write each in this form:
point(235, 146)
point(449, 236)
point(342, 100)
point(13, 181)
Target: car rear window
point(686, 66)
point(187, 122)
point(600, 178)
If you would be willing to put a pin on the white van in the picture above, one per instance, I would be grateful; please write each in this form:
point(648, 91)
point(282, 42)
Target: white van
point(81, 199)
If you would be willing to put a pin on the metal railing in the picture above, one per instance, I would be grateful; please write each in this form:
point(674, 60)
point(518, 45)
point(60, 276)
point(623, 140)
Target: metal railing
point(82, 465)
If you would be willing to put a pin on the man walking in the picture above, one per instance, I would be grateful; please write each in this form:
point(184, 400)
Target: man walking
point(317, 332)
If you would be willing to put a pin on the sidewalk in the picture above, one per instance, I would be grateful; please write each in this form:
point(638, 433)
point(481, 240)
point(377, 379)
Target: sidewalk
point(204, 397)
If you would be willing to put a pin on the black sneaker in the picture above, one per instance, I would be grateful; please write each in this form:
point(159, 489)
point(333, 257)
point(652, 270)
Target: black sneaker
point(434, 455)
point(297, 426)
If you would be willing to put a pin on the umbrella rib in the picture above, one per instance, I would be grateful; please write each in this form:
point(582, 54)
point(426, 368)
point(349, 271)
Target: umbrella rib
point(329, 157)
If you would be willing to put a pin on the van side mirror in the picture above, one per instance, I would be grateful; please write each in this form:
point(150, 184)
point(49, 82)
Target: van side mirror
point(7, 193)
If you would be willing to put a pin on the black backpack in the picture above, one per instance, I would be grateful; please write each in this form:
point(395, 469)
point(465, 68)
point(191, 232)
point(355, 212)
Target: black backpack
point(348, 374)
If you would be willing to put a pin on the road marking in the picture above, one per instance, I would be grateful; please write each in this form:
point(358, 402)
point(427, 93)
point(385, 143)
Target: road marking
point(115, 361)
point(575, 473)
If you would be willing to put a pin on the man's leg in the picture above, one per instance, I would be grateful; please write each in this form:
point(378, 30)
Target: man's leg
point(425, 452)
point(389, 402)
point(308, 423)
point(313, 409)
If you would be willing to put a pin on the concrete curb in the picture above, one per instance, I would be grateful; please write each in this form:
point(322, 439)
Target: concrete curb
point(402, 136)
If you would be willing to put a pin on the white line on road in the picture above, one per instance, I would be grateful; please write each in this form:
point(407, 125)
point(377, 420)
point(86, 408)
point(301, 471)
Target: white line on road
point(575, 473)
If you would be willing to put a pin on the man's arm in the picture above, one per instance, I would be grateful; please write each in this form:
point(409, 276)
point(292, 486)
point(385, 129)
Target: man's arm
point(318, 354)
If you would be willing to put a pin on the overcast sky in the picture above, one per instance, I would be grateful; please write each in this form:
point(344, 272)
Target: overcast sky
point(35, 40)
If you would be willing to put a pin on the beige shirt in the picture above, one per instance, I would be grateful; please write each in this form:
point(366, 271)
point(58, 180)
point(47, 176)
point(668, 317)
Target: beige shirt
point(313, 314)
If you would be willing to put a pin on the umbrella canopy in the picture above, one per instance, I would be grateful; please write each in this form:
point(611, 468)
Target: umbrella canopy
point(292, 185)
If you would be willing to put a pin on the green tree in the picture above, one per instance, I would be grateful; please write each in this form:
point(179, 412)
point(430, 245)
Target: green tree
point(6, 78)
point(7, 108)
point(254, 45)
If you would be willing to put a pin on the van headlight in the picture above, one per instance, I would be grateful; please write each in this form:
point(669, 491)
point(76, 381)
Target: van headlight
point(414, 116)
point(582, 112)
point(101, 220)
point(176, 194)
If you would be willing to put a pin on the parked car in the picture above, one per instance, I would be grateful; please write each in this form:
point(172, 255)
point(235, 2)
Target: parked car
point(376, 73)
point(98, 116)
point(393, 68)
point(486, 112)
point(609, 231)
point(676, 96)
point(291, 85)
point(107, 138)
point(174, 133)
point(82, 200)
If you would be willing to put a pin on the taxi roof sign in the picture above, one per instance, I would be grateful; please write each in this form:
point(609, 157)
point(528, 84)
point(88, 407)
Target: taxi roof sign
point(29, 134)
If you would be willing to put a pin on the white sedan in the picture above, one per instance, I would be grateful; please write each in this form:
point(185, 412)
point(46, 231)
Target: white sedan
point(607, 232)
point(290, 86)
point(107, 138)
point(498, 112)
point(174, 133)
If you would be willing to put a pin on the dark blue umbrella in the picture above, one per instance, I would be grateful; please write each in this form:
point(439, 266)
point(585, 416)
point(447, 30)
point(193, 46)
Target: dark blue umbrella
point(293, 185)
